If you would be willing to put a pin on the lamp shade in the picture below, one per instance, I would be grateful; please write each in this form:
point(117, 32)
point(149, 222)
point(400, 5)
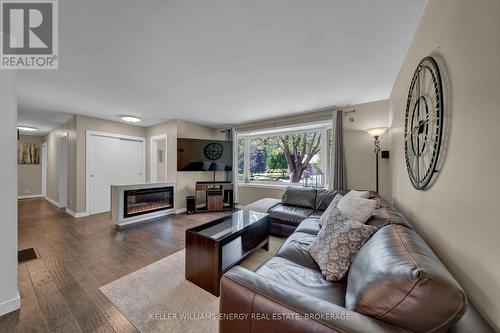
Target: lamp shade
point(377, 131)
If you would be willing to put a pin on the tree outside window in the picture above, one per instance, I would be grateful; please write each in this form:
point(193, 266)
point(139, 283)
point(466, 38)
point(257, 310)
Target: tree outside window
point(284, 158)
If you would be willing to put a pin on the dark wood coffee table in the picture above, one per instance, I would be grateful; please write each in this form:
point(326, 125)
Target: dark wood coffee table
point(215, 247)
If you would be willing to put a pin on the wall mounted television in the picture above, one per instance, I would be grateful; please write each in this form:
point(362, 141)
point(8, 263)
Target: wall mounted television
point(204, 155)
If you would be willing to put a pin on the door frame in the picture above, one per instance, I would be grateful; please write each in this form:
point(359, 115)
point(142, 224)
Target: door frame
point(153, 156)
point(88, 134)
point(44, 169)
point(63, 170)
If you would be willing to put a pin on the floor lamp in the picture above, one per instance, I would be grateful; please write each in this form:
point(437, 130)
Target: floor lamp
point(376, 133)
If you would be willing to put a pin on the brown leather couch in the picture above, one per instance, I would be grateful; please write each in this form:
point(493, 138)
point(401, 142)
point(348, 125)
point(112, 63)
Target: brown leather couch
point(297, 204)
point(395, 284)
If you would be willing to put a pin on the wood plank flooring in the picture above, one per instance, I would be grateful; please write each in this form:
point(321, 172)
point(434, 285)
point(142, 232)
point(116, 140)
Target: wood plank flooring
point(59, 292)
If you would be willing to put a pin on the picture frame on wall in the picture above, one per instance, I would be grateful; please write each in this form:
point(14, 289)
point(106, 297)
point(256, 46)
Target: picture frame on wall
point(28, 153)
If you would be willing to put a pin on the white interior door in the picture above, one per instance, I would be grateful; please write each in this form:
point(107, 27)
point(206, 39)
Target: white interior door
point(112, 161)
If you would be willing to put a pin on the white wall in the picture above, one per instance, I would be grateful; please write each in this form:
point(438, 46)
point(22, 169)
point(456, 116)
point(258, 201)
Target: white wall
point(9, 297)
point(458, 215)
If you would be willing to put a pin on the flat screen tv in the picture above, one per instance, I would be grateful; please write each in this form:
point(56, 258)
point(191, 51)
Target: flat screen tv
point(204, 155)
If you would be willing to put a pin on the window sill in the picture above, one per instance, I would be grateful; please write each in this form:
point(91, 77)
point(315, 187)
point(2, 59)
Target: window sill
point(270, 186)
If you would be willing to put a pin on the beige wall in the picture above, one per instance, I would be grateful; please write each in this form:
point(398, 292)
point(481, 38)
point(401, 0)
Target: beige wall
point(29, 176)
point(185, 181)
point(458, 215)
point(9, 297)
point(76, 128)
point(161, 166)
point(170, 129)
point(358, 145)
point(53, 140)
point(249, 194)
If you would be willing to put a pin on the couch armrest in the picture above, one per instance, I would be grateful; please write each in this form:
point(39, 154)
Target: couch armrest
point(250, 302)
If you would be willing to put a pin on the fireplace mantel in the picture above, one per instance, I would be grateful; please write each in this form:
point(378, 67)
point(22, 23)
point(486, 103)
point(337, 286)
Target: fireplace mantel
point(118, 203)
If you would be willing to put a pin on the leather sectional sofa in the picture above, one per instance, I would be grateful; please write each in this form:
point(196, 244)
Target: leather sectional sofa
point(395, 284)
point(296, 205)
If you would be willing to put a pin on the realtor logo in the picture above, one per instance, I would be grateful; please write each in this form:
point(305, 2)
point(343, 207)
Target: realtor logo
point(29, 37)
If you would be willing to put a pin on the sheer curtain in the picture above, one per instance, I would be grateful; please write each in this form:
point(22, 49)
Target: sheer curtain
point(338, 179)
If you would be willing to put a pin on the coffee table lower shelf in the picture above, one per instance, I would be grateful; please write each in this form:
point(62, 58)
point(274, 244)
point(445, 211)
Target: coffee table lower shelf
point(208, 258)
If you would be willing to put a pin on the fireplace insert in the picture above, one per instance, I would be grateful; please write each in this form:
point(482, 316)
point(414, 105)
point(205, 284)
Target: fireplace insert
point(145, 201)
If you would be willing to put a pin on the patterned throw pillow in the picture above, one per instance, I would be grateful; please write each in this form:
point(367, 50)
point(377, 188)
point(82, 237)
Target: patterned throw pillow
point(332, 207)
point(337, 243)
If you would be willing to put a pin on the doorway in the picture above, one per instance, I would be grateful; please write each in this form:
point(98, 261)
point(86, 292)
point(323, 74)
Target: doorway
point(112, 159)
point(158, 158)
point(44, 169)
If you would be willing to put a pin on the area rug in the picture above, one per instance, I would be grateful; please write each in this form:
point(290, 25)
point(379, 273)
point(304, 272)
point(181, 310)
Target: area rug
point(157, 298)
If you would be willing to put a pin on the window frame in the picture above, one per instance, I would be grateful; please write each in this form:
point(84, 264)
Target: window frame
point(247, 137)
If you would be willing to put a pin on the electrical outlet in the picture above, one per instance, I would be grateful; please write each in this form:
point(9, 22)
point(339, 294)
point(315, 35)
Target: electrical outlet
point(26, 191)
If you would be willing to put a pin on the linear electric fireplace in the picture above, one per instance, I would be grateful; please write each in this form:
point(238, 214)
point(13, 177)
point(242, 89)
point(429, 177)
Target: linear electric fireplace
point(145, 201)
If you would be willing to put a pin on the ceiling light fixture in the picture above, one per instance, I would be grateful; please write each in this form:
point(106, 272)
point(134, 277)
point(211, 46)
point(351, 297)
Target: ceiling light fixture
point(131, 119)
point(27, 128)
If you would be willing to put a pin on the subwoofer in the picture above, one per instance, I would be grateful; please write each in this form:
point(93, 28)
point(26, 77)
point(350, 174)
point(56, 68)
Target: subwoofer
point(190, 204)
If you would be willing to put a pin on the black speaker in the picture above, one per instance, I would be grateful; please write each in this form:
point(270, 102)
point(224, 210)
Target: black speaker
point(190, 204)
point(385, 154)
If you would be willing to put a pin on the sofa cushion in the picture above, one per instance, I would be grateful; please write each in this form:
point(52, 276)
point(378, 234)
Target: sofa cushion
point(300, 197)
point(291, 215)
point(309, 226)
point(306, 280)
point(262, 205)
point(317, 214)
point(324, 197)
point(386, 214)
point(397, 278)
point(296, 247)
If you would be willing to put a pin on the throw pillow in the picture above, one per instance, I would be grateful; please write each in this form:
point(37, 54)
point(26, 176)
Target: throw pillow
point(358, 194)
point(332, 207)
point(358, 208)
point(337, 243)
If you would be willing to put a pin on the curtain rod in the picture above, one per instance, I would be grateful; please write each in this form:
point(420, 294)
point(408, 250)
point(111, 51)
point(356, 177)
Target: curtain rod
point(347, 112)
point(319, 116)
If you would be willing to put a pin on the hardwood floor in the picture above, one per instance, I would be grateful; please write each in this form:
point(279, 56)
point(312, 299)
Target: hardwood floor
point(59, 292)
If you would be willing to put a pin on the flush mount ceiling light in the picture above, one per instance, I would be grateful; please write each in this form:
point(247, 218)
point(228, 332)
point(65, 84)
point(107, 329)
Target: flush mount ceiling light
point(131, 119)
point(27, 128)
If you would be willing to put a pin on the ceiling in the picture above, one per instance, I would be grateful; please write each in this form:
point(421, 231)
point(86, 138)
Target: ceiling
point(219, 62)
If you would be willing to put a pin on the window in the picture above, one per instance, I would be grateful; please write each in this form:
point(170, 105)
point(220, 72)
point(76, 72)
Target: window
point(290, 156)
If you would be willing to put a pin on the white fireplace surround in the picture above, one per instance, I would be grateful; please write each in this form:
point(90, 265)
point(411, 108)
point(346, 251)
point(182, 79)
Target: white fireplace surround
point(117, 203)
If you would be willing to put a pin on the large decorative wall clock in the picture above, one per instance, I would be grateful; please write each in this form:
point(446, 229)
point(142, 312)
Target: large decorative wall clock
point(424, 123)
point(213, 151)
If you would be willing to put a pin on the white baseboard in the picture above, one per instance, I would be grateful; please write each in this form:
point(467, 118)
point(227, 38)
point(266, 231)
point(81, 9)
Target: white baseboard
point(180, 211)
point(10, 305)
point(76, 215)
point(52, 201)
point(30, 196)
